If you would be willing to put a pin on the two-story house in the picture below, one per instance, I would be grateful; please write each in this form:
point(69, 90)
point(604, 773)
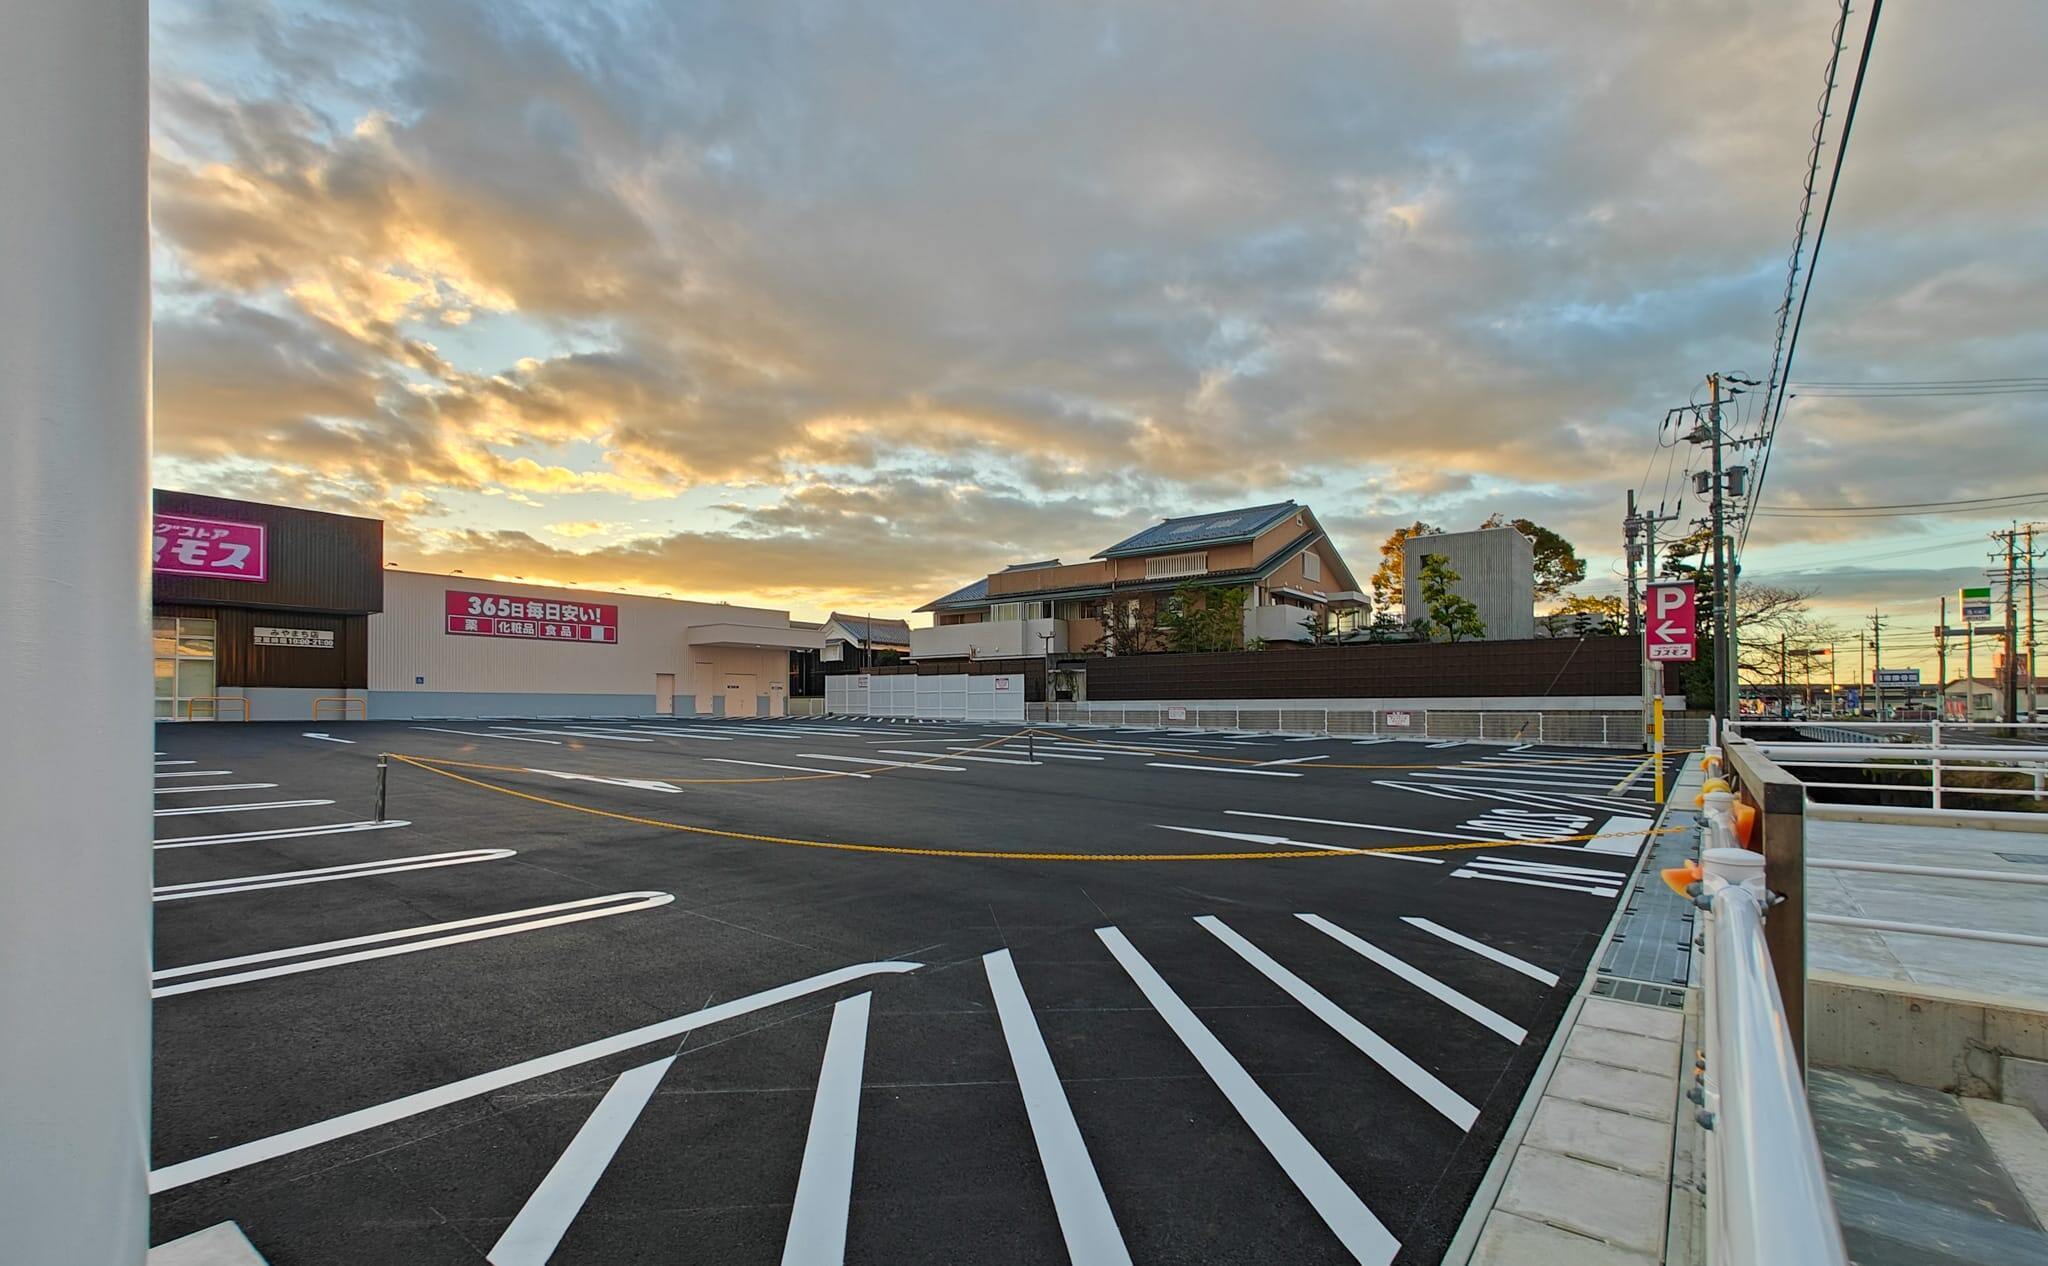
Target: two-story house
point(1278, 554)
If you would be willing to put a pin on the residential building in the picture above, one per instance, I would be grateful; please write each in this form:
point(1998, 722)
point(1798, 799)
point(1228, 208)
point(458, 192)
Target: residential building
point(862, 641)
point(1496, 572)
point(1293, 577)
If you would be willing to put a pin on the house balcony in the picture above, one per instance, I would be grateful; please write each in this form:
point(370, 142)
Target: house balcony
point(993, 639)
point(1276, 624)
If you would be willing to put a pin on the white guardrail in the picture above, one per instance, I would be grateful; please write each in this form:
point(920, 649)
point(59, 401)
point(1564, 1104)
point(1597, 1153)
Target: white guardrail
point(1767, 1189)
point(1914, 757)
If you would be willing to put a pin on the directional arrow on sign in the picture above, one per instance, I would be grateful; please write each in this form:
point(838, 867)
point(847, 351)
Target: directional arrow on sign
point(643, 784)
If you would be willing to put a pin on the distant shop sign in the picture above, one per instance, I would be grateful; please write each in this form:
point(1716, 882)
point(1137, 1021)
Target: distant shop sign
point(1976, 604)
point(312, 639)
point(538, 619)
point(1898, 677)
point(186, 545)
point(1400, 720)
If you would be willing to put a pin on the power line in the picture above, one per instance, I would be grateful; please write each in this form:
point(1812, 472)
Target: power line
point(1898, 514)
point(1917, 505)
point(1829, 393)
point(1921, 382)
point(1774, 412)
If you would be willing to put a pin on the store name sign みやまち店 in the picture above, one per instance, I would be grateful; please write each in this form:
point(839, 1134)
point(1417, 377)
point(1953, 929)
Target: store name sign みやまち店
point(542, 619)
point(186, 545)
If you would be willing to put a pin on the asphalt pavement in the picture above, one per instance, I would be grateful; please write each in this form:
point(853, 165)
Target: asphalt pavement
point(639, 990)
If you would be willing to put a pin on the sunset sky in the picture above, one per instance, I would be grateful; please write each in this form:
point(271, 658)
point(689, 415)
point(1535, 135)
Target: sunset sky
point(839, 304)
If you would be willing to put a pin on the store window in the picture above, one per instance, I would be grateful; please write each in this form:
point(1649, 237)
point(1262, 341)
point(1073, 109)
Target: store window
point(184, 664)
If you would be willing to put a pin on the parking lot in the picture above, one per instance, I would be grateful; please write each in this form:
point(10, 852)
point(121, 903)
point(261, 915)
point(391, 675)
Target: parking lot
point(643, 990)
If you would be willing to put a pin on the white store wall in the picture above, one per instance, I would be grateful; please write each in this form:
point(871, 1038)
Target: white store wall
point(418, 668)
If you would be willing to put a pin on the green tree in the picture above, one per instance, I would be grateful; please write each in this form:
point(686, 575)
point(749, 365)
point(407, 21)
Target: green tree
point(1558, 566)
point(1450, 614)
point(1125, 630)
point(1578, 614)
point(1204, 618)
point(1387, 582)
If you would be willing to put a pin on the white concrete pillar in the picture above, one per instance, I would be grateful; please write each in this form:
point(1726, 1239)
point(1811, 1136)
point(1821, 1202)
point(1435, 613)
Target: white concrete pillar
point(74, 628)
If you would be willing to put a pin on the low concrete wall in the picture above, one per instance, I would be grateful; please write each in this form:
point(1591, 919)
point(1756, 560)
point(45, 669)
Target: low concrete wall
point(1952, 1040)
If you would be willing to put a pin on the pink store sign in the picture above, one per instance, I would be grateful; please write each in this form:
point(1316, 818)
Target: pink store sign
point(224, 550)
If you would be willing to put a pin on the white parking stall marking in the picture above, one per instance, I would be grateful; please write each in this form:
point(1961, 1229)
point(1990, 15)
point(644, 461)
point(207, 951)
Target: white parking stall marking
point(510, 923)
point(199, 773)
point(679, 732)
point(509, 738)
point(326, 738)
point(824, 1184)
point(806, 769)
point(176, 762)
point(1361, 826)
point(1421, 980)
point(1223, 769)
point(282, 833)
point(1529, 824)
point(1510, 874)
point(888, 764)
point(326, 874)
point(1339, 1207)
point(1295, 760)
point(1621, 836)
point(239, 808)
point(221, 786)
point(1042, 753)
point(609, 738)
point(1544, 800)
point(1370, 1044)
point(979, 760)
point(1086, 1222)
point(1558, 869)
point(1276, 841)
point(639, 784)
point(1593, 787)
point(242, 1155)
point(545, 1217)
point(1481, 948)
point(595, 731)
point(1423, 791)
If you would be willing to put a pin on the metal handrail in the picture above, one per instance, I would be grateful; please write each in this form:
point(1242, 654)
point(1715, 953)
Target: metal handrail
point(216, 701)
point(1931, 759)
point(345, 702)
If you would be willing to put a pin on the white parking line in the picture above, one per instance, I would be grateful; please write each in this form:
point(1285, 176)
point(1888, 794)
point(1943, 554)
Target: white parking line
point(326, 874)
point(1295, 760)
point(199, 773)
point(1338, 1206)
point(824, 1184)
point(1424, 791)
point(545, 1217)
point(808, 769)
point(219, 786)
point(1484, 950)
point(281, 833)
point(1594, 786)
point(1278, 840)
point(509, 738)
point(1086, 1222)
point(609, 738)
point(979, 760)
point(242, 1155)
point(1223, 769)
point(1370, 1044)
point(1557, 870)
point(1466, 872)
point(638, 784)
point(176, 762)
point(1362, 826)
point(1621, 836)
point(531, 919)
point(890, 764)
point(1421, 980)
point(238, 808)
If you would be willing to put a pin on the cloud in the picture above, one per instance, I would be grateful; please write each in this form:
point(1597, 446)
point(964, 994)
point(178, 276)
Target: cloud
point(994, 281)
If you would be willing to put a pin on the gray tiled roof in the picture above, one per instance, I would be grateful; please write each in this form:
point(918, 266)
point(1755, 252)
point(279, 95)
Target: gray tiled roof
point(871, 630)
point(976, 592)
point(1194, 530)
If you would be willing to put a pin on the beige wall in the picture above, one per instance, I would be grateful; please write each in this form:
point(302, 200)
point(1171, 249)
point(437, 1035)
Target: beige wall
point(408, 640)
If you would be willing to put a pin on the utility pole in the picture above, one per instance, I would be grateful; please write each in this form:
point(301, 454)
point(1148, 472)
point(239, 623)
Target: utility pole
point(1631, 526)
point(1941, 658)
point(2033, 682)
point(1783, 712)
point(2012, 627)
point(1877, 659)
point(1652, 673)
point(1724, 671)
point(1861, 680)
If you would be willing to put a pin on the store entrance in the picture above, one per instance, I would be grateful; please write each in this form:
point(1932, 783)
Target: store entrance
point(184, 667)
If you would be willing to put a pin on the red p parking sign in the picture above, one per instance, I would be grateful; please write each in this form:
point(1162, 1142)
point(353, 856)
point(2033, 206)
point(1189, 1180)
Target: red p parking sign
point(1671, 623)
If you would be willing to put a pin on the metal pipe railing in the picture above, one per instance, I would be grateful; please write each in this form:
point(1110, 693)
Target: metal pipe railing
point(1767, 1188)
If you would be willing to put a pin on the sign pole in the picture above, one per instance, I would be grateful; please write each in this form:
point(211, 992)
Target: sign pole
point(1657, 744)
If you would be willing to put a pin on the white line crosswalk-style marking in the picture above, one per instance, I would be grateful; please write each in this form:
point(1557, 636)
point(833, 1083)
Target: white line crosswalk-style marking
point(1086, 1222)
point(1333, 1200)
point(282, 833)
point(1370, 1044)
point(247, 807)
point(327, 874)
point(824, 1184)
point(1481, 948)
point(1420, 979)
point(545, 1217)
